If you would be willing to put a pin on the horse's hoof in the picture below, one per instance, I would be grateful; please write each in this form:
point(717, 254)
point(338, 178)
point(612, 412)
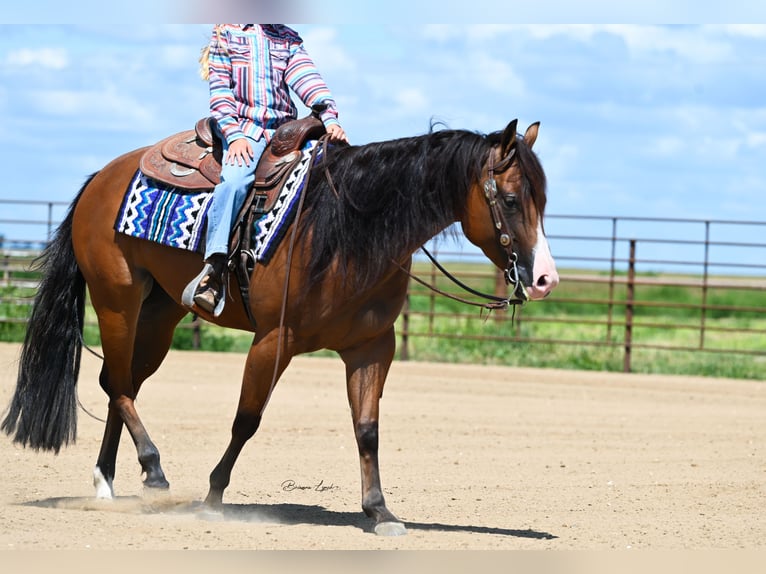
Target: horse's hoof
point(156, 484)
point(104, 490)
point(390, 529)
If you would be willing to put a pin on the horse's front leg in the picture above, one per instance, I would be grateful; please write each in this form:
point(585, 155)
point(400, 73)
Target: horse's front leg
point(366, 370)
point(257, 384)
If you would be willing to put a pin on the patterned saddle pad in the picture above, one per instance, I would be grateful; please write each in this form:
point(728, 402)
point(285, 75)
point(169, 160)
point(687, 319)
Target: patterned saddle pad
point(176, 217)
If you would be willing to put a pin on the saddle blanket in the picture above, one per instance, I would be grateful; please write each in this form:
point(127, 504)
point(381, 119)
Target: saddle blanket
point(176, 217)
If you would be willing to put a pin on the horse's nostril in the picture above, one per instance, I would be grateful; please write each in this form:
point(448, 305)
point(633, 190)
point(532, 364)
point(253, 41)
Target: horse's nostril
point(542, 281)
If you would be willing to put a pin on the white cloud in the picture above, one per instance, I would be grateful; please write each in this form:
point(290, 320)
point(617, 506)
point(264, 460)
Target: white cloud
point(688, 43)
point(667, 146)
point(440, 32)
point(177, 56)
point(411, 100)
point(561, 160)
point(756, 139)
point(50, 58)
point(744, 30)
point(497, 74)
point(323, 47)
point(108, 108)
point(581, 32)
point(700, 44)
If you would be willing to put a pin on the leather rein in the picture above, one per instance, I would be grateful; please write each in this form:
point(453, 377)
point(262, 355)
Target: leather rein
point(505, 238)
point(518, 294)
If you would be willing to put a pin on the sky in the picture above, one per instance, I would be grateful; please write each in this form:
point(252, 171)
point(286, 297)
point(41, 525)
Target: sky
point(638, 119)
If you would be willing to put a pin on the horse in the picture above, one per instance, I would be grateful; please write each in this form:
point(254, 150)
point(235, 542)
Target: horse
point(338, 281)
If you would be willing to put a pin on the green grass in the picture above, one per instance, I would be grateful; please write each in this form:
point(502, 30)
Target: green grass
point(567, 330)
point(576, 317)
point(15, 304)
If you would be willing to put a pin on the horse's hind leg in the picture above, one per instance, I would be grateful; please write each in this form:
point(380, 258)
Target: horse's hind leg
point(153, 334)
point(366, 370)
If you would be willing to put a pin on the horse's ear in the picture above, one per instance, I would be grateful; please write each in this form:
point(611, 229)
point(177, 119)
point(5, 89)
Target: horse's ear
point(530, 136)
point(509, 138)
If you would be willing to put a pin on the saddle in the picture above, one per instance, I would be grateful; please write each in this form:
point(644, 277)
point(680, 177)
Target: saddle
point(191, 159)
point(187, 160)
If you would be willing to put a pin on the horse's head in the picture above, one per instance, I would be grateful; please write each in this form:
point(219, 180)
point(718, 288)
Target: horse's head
point(504, 215)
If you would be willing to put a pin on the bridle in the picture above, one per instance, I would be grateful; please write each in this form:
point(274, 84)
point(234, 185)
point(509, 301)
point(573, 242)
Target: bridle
point(518, 294)
point(499, 222)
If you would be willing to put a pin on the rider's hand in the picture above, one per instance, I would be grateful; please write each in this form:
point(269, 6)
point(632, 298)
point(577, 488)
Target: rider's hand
point(240, 152)
point(337, 134)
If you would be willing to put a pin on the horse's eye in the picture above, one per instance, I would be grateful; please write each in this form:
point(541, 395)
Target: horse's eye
point(509, 199)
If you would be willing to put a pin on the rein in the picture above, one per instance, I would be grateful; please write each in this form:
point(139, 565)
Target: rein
point(322, 144)
point(518, 295)
point(494, 301)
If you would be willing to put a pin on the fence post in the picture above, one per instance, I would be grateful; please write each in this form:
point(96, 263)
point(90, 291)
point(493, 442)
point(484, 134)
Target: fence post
point(611, 282)
point(196, 332)
point(50, 222)
point(501, 290)
point(703, 306)
point(432, 297)
point(404, 353)
point(629, 297)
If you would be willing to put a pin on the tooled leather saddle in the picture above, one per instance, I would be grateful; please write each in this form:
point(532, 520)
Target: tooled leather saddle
point(191, 159)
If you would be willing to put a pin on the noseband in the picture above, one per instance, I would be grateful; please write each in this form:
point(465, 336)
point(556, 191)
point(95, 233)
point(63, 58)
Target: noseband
point(499, 222)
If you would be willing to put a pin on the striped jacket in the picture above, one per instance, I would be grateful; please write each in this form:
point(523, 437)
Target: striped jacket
point(251, 68)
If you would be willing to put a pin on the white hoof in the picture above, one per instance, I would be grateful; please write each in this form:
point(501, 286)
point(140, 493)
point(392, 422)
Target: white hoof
point(103, 486)
point(390, 529)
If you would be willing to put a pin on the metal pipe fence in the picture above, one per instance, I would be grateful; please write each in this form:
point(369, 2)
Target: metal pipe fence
point(668, 285)
point(627, 284)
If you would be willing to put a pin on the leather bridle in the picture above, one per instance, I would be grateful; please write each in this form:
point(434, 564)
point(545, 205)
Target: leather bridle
point(518, 294)
point(500, 223)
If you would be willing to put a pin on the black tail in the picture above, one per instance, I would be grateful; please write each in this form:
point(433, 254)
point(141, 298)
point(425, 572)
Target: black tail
point(43, 410)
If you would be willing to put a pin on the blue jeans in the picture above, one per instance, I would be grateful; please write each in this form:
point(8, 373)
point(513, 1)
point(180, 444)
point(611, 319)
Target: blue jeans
point(228, 197)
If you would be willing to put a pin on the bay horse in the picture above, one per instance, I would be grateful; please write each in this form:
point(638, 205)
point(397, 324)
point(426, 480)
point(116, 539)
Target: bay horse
point(367, 210)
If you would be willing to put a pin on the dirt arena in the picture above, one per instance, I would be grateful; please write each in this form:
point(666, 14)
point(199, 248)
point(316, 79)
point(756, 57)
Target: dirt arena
point(471, 458)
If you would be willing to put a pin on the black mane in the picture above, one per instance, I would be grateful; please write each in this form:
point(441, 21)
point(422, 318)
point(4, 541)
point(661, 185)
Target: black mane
point(392, 197)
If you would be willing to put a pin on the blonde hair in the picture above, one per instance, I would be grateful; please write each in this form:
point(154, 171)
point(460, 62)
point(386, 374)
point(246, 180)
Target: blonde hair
point(204, 63)
point(204, 55)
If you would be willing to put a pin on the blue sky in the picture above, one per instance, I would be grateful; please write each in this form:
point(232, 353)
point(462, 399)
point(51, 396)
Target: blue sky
point(638, 119)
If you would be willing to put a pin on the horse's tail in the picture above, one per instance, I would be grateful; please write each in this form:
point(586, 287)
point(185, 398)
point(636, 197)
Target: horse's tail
point(43, 410)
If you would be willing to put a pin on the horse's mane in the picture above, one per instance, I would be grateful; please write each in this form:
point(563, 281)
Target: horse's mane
point(392, 196)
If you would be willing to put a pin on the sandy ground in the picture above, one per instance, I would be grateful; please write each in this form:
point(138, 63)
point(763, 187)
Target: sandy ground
point(471, 458)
